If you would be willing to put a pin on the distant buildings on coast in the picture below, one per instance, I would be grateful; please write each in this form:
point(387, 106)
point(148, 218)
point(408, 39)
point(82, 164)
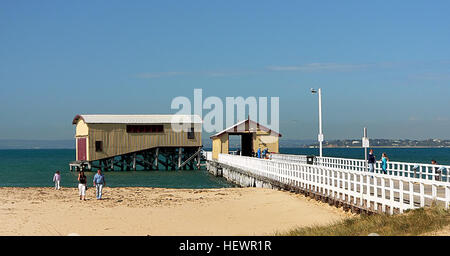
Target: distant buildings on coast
point(356, 143)
point(429, 143)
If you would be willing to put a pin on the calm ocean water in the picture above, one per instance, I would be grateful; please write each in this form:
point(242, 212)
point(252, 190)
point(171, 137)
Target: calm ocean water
point(35, 167)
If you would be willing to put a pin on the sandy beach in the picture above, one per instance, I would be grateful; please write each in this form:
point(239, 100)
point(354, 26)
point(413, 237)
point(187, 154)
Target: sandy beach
point(158, 211)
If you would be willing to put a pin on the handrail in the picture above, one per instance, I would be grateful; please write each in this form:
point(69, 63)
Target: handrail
point(366, 189)
point(413, 170)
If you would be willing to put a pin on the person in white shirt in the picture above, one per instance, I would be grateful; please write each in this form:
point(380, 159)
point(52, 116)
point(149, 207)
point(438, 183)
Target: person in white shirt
point(82, 185)
point(57, 180)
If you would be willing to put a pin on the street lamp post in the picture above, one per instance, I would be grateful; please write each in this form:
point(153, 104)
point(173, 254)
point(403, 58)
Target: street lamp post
point(365, 144)
point(320, 136)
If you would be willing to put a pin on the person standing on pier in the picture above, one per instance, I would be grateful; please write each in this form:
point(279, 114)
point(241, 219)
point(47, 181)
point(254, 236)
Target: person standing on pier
point(82, 185)
point(57, 180)
point(371, 161)
point(99, 182)
point(264, 154)
point(437, 170)
point(384, 161)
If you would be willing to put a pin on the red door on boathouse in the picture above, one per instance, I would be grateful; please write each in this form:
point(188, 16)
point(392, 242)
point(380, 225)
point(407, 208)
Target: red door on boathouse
point(81, 149)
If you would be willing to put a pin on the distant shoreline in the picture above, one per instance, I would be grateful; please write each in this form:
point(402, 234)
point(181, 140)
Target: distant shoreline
point(376, 147)
point(209, 149)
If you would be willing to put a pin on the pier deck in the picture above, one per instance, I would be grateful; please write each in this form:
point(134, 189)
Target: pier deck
point(346, 181)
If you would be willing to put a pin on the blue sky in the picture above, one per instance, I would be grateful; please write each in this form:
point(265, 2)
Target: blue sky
point(381, 64)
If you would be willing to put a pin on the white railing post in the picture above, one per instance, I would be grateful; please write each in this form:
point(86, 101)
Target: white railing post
point(422, 195)
point(434, 192)
point(369, 190)
point(447, 196)
point(361, 189)
point(383, 194)
point(355, 189)
point(411, 195)
point(401, 200)
point(375, 193)
point(391, 196)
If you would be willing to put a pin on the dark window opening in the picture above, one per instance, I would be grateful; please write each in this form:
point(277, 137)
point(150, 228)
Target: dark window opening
point(145, 128)
point(98, 146)
point(191, 134)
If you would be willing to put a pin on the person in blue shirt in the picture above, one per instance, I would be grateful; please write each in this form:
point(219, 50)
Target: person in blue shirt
point(99, 182)
point(384, 161)
point(438, 171)
point(264, 154)
point(371, 161)
point(258, 153)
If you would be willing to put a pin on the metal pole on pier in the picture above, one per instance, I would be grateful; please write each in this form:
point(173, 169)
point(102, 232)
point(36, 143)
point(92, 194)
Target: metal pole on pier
point(365, 144)
point(320, 136)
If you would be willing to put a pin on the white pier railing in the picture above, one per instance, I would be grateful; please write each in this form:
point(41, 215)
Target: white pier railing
point(373, 191)
point(207, 155)
point(412, 170)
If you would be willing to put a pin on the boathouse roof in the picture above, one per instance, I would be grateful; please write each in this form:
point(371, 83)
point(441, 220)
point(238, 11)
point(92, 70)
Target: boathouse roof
point(137, 119)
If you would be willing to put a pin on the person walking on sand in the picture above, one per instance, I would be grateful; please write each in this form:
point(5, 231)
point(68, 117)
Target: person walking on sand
point(82, 185)
point(258, 153)
point(371, 161)
point(384, 160)
point(99, 182)
point(57, 180)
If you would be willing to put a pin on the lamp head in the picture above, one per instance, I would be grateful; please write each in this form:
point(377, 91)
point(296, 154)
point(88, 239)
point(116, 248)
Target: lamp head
point(313, 90)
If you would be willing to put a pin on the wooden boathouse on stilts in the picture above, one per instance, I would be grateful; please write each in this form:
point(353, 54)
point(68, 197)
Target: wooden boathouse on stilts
point(132, 142)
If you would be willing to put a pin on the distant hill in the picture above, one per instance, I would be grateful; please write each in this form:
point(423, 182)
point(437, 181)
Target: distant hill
point(37, 144)
point(70, 144)
point(284, 143)
point(288, 143)
point(400, 143)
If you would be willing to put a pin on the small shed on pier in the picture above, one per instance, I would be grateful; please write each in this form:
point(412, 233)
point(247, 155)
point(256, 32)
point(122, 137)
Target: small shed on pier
point(253, 136)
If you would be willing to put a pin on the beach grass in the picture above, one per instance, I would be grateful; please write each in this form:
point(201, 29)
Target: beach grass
point(412, 223)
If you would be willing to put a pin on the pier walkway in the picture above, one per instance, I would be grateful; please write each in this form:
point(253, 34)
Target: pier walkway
point(347, 181)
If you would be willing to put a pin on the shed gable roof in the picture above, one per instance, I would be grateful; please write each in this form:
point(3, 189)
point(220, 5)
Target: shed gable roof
point(242, 127)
